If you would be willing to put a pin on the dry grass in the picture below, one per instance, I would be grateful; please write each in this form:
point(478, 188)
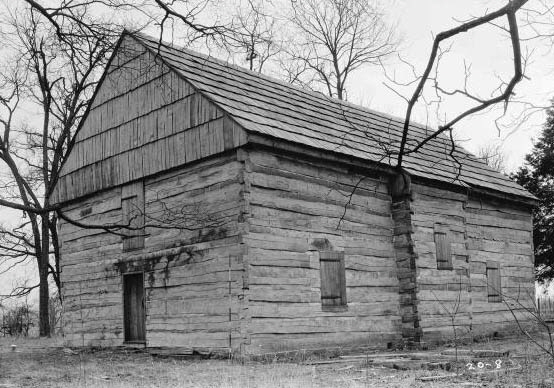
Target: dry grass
point(44, 363)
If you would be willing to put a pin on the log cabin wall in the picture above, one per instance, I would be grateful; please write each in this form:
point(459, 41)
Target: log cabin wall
point(191, 261)
point(477, 232)
point(294, 206)
point(499, 233)
point(144, 126)
point(443, 288)
point(91, 289)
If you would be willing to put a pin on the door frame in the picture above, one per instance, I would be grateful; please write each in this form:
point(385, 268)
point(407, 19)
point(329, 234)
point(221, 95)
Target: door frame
point(125, 340)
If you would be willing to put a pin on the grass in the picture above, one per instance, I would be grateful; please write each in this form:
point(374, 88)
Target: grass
point(44, 363)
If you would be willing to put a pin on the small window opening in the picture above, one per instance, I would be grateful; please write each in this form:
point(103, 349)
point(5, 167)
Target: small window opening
point(333, 278)
point(494, 286)
point(443, 247)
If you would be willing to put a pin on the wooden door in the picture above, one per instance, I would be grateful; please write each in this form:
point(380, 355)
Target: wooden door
point(133, 306)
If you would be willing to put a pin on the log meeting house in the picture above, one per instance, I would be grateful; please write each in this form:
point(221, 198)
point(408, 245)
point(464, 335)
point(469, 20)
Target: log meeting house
point(244, 214)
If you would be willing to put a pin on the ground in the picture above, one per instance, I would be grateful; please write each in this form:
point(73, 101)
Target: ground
point(46, 363)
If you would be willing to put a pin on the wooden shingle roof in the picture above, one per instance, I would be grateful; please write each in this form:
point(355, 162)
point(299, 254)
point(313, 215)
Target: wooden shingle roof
point(269, 107)
point(158, 107)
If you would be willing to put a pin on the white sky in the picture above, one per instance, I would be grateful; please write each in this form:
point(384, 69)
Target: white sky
point(487, 49)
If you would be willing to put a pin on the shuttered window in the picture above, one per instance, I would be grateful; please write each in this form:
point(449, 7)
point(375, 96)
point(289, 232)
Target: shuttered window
point(444, 254)
point(132, 205)
point(494, 286)
point(333, 278)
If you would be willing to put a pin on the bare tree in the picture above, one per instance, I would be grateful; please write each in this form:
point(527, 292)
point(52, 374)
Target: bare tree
point(55, 73)
point(493, 156)
point(187, 13)
point(502, 94)
point(252, 35)
point(536, 21)
point(182, 16)
point(333, 38)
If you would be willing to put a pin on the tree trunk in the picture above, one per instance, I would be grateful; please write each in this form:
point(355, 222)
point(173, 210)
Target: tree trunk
point(44, 294)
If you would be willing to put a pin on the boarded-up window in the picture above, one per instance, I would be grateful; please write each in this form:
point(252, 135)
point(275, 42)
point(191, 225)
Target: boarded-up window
point(442, 244)
point(132, 205)
point(494, 286)
point(333, 278)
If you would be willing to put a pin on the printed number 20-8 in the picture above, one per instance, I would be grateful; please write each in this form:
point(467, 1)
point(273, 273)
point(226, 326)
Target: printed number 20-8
point(481, 365)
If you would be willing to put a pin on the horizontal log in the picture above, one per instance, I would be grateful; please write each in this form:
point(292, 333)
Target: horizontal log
point(434, 192)
point(183, 339)
point(360, 311)
point(494, 221)
point(302, 206)
point(495, 205)
point(289, 220)
point(322, 191)
point(313, 172)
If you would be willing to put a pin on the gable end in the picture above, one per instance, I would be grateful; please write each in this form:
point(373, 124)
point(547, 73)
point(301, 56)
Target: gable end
point(145, 118)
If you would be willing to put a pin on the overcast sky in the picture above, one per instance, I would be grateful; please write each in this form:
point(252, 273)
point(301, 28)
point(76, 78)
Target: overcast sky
point(486, 49)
